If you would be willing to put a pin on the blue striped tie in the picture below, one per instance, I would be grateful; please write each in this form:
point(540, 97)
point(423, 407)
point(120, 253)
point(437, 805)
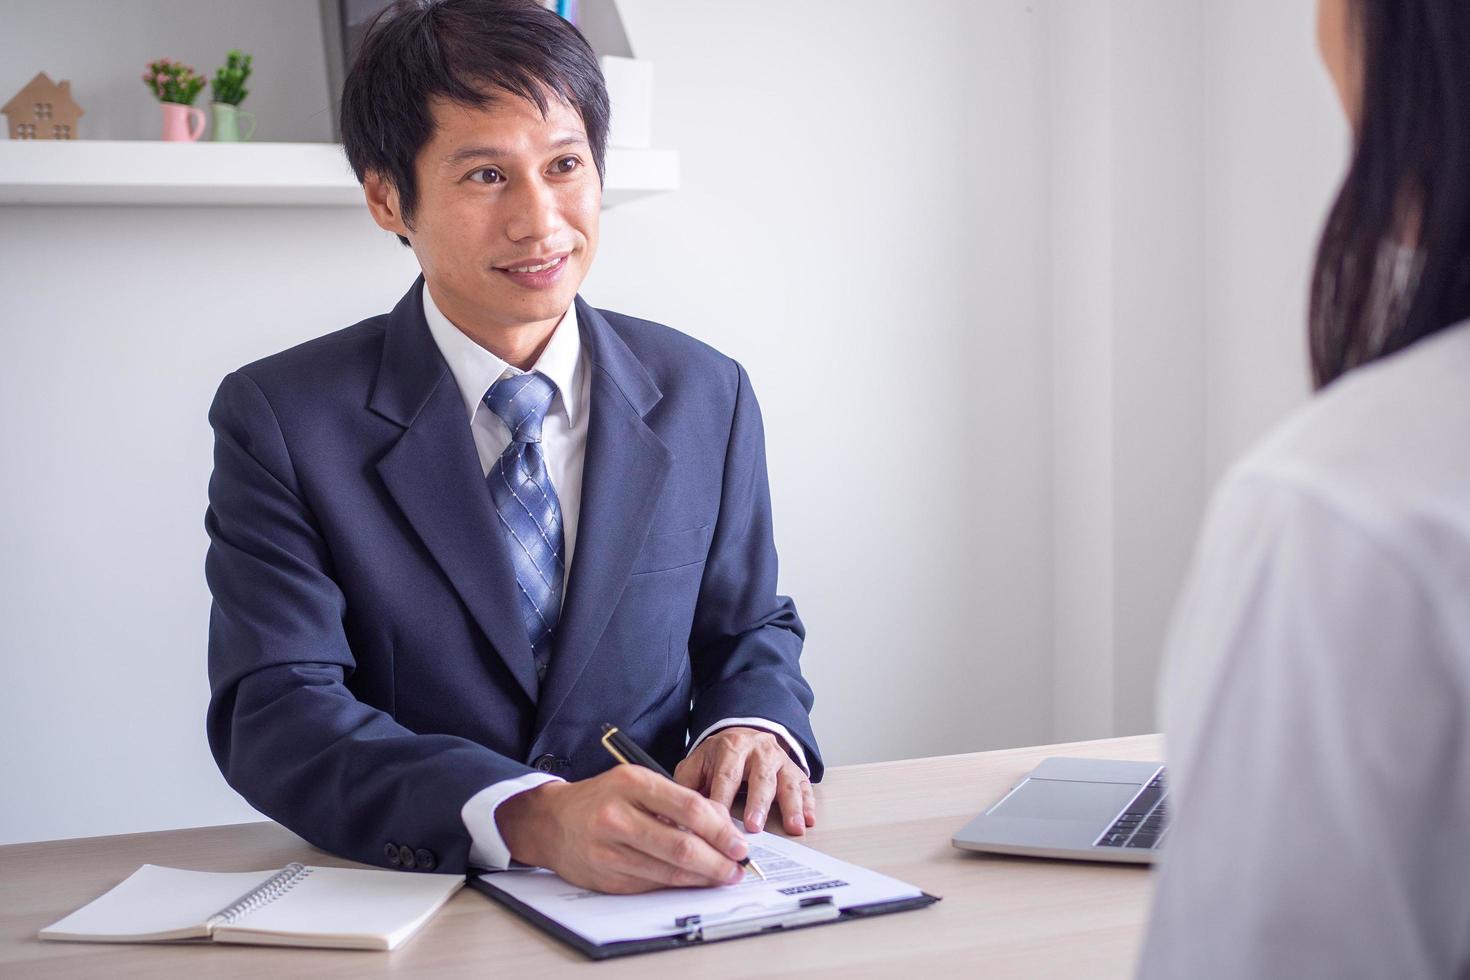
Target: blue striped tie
point(523, 495)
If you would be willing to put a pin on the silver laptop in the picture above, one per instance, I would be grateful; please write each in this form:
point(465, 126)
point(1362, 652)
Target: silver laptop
point(1086, 809)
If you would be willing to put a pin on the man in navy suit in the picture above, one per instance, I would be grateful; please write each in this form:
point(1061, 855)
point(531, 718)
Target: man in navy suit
point(447, 543)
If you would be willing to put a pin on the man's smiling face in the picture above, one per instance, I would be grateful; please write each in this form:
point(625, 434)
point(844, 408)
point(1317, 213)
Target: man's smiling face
point(505, 227)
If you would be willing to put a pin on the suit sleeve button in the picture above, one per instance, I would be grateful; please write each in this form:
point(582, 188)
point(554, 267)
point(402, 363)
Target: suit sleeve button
point(424, 860)
point(405, 856)
point(390, 851)
point(545, 763)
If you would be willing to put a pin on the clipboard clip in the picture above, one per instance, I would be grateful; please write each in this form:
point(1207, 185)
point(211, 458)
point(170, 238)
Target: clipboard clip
point(708, 928)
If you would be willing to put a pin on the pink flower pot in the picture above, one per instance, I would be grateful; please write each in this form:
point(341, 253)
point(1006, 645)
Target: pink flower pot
point(182, 123)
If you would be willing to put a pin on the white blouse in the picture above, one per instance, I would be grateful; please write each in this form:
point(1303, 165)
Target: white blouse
point(1316, 694)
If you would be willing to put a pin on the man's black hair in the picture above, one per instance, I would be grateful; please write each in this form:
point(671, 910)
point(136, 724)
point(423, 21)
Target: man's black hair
point(470, 52)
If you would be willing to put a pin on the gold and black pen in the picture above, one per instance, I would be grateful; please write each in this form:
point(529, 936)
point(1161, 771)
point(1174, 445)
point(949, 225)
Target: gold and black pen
point(627, 751)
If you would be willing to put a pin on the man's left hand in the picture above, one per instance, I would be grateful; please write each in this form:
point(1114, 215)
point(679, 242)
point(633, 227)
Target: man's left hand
point(737, 756)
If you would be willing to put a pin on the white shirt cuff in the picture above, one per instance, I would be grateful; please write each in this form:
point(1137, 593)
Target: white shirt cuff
point(488, 849)
point(778, 730)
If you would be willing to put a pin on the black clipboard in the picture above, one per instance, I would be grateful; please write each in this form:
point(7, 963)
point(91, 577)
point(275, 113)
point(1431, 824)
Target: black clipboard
point(630, 947)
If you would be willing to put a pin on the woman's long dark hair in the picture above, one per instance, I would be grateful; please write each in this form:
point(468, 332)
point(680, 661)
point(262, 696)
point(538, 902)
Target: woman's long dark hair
point(1393, 265)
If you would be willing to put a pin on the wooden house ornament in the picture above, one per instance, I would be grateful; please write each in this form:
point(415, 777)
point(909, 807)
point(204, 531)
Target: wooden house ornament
point(43, 110)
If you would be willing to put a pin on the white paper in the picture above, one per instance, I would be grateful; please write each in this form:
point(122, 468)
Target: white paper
point(795, 872)
point(344, 907)
point(156, 903)
point(348, 903)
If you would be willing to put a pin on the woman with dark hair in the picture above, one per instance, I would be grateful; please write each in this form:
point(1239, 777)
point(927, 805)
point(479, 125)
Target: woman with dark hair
point(1317, 683)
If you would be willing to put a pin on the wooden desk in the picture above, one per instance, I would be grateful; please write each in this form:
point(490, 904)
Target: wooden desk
point(1001, 917)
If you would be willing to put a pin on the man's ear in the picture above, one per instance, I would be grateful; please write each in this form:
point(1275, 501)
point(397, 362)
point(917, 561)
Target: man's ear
point(382, 201)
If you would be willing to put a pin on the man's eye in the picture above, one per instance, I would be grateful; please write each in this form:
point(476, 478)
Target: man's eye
point(566, 165)
point(487, 175)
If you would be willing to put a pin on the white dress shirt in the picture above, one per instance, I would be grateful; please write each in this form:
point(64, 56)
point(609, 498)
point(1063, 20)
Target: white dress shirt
point(564, 444)
point(1317, 694)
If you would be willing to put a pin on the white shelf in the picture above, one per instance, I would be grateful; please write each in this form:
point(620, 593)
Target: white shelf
point(302, 174)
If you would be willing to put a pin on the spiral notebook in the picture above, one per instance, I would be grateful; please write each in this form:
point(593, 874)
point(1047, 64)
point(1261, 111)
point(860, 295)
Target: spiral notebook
point(299, 905)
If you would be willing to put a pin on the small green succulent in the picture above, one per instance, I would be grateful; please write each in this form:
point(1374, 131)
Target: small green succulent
point(229, 82)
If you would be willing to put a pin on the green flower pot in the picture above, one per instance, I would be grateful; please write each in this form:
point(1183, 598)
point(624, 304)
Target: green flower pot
point(227, 120)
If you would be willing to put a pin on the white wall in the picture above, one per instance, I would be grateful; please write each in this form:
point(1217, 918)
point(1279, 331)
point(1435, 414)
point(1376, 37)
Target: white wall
point(109, 369)
point(1079, 111)
point(1128, 320)
point(1194, 147)
point(1276, 146)
point(861, 214)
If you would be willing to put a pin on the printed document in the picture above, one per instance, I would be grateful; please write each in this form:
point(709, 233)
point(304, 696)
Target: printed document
point(794, 873)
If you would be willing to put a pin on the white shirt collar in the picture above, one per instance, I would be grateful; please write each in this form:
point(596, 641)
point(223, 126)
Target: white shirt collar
point(475, 369)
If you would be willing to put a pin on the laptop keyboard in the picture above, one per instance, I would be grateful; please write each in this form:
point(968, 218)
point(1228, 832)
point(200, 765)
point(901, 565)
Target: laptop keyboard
point(1144, 820)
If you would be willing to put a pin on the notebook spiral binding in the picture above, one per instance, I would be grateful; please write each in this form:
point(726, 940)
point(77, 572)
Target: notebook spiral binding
point(266, 892)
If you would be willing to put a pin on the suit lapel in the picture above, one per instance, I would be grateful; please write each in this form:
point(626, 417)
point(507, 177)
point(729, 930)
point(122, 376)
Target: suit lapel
point(433, 474)
point(624, 473)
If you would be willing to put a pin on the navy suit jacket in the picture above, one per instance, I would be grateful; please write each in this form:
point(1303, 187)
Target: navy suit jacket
point(368, 664)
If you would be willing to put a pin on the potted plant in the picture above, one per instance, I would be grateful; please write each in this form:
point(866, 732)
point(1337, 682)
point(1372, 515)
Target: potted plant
point(176, 85)
point(228, 90)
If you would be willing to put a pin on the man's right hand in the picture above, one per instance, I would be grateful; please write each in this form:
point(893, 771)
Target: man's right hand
point(605, 833)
